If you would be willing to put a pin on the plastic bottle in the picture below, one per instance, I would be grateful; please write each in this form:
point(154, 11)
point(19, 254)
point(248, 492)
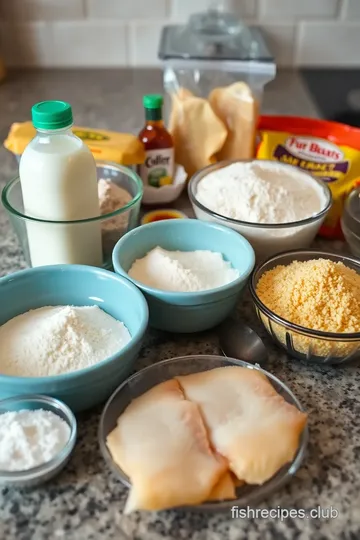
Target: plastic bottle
point(158, 168)
point(59, 183)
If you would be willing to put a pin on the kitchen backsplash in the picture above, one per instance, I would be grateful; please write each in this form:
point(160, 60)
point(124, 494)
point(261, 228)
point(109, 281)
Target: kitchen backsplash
point(96, 33)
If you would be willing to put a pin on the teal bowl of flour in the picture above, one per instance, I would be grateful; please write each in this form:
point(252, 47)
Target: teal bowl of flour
point(74, 285)
point(184, 312)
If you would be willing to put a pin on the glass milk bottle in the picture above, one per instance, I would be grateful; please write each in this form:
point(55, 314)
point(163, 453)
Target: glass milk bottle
point(59, 188)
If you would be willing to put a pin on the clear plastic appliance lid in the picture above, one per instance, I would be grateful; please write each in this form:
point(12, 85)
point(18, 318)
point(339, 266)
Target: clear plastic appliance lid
point(213, 36)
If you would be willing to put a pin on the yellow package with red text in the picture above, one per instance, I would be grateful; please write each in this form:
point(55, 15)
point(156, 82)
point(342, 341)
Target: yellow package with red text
point(328, 150)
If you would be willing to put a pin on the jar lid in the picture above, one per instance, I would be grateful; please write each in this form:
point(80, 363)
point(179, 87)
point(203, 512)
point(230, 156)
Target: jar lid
point(51, 115)
point(213, 35)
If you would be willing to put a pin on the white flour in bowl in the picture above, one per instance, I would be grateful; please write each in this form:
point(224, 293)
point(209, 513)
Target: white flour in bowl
point(261, 193)
point(183, 271)
point(55, 340)
point(113, 197)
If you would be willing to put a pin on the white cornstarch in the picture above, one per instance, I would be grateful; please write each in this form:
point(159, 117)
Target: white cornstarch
point(260, 193)
point(54, 340)
point(30, 438)
point(183, 271)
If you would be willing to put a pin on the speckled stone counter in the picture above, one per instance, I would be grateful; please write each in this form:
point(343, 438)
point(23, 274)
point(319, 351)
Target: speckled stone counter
point(85, 502)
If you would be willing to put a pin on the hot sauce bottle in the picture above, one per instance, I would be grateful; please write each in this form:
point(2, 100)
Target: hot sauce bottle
point(158, 167)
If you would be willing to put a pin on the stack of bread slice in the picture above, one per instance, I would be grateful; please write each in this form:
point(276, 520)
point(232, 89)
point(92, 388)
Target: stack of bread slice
point(220, 127)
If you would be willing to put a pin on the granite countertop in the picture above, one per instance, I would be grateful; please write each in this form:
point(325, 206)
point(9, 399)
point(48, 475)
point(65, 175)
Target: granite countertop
point(85, 502)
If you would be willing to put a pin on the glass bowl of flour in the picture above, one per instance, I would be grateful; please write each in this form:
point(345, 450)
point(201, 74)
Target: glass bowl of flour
point(47, 242)
point(275, 206)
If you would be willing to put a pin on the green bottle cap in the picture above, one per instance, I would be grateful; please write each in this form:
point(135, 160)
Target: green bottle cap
point(51, 115)
point(152, 101)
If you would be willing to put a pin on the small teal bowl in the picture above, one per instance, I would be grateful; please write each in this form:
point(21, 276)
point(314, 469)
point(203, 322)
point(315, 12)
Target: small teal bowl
point(78, 286)
point(187, 311)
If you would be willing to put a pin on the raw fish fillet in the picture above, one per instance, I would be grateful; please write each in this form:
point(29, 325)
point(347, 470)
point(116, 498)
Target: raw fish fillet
point(248, 422)
point(224, 489)
point(161, 443)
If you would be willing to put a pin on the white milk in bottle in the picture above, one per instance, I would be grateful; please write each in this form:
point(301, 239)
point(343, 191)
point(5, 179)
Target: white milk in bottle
point(59, 184)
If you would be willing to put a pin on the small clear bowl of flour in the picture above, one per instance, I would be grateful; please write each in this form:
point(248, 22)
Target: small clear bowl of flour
point(38, 438)
point(274, 205)
point(120, 192)
point(112, 198)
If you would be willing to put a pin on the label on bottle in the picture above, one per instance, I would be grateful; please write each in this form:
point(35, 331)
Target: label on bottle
point(158, 167)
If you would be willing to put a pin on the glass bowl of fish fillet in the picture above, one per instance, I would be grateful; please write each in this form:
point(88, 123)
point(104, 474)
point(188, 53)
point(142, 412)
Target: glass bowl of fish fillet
point(202, 433)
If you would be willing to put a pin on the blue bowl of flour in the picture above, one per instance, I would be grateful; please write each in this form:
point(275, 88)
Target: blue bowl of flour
point(184, 312)
point(75, 285)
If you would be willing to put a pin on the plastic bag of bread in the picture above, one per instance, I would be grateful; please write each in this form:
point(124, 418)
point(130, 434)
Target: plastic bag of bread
point(237, 107)
point(221, 62)
point(197, 131)
point(217, 127)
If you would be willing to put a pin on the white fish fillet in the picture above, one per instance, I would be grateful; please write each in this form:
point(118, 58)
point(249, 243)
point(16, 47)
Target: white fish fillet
point(161, 443)
point(248, 422)
point(224, 489)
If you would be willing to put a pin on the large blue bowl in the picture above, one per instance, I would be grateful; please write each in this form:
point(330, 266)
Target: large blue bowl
point(79, 286)
point(187, 311)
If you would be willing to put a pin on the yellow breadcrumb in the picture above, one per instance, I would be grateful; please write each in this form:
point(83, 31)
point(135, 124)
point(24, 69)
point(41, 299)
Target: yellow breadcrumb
point(318, 294)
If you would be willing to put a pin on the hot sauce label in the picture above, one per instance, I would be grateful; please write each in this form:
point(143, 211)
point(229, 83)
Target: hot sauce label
point(328, 150)
point(157, 169)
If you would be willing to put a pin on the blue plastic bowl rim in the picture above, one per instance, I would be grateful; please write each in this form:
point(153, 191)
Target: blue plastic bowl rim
point(73, 376)
point(35, 473)
point(202, 295)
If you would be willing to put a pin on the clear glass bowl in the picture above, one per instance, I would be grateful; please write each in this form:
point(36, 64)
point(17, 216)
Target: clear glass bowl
point(350, 221)
point(38, 475)
point(300, 342)
point(114, 225)
point(266, 238)
point(145, 379)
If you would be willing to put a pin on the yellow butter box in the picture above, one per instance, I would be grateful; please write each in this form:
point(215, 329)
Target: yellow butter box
point(121, 148)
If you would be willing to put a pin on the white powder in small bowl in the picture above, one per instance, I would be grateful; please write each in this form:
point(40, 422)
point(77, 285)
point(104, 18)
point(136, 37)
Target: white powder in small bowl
point(183, 271)
point(30, 438)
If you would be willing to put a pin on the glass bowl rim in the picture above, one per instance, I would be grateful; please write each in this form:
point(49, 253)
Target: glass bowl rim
point(217, 505)
point(109, 164)
point(41, 470)
point(347, 230)
point(348, 211)
point(199, 175)
point(330, 336)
